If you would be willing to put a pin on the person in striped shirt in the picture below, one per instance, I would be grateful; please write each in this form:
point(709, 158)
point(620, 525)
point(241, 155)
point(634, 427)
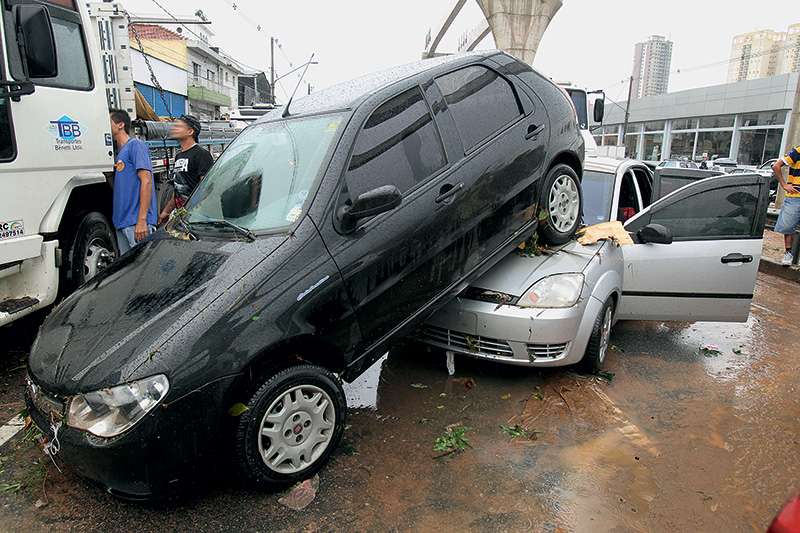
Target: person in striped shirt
point(790, 211)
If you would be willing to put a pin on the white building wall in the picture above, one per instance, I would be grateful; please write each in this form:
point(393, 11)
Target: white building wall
point(171, 78)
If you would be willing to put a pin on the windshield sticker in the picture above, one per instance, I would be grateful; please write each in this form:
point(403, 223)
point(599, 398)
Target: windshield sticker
point(66, 134)
point(303, 194)
point(311, 288)
point(332, 126)
point(10, 229)
point(294, 214)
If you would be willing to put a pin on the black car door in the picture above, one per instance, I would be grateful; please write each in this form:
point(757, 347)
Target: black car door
point(504, 134)
point(394, 263)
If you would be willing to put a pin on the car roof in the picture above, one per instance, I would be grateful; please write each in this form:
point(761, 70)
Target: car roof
point(349, 94)
point(607, 164)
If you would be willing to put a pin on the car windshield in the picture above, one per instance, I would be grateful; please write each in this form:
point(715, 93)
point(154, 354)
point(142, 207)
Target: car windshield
point(597, 193)
point(261, 182)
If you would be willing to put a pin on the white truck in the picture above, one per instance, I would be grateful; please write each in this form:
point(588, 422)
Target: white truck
point(63, 63)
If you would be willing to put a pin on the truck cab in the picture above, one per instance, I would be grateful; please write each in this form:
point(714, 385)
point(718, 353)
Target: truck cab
point(54, 146)
point(582, 101)
point(62, 65)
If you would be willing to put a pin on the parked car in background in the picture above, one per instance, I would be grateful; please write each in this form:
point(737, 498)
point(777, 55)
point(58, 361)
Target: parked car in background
point(724, 164)
point(329, 228)
point(695, 257)
point(677, 164)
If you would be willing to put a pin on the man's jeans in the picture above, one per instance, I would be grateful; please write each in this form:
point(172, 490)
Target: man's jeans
point(126, 238)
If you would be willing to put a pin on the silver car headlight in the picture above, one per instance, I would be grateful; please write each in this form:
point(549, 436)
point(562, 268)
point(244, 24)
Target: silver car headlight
point(110, 412)
point(558, 290)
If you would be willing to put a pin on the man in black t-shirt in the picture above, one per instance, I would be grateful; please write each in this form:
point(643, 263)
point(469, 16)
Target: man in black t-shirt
point(191, 164)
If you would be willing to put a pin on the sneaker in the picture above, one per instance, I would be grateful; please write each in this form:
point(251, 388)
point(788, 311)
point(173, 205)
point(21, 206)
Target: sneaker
point(787, 259)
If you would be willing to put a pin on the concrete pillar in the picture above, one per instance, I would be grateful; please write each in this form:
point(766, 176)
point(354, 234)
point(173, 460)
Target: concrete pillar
point(518, 25)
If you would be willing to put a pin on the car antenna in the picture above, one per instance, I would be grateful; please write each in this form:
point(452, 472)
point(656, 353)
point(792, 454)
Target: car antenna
point(286, 110)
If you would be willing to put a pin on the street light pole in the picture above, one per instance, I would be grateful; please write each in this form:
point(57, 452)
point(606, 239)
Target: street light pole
point(627, 112)
point(272, 70)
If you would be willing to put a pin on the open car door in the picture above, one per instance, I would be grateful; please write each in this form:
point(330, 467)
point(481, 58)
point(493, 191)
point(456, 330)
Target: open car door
point(708, 270)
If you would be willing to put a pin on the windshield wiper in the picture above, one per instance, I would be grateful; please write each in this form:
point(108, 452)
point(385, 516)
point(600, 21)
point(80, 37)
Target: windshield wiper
point(185, 226)
point(227, 224)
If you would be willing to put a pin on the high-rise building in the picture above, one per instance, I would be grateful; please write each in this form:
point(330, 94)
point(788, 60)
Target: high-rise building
point(763, 53)
point(791, 54)
point(651, 61)
point(757, 54)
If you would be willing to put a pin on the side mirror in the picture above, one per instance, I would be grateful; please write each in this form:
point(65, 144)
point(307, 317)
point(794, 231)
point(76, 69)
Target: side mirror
point(36, 41)
point(599, 110)
point(369, 204)
point(654, 233)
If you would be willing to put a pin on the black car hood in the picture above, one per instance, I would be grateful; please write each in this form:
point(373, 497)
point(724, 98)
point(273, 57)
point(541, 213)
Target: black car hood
point(101, 334)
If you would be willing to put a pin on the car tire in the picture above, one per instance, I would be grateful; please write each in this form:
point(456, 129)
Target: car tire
point(595, 356)
point(89, 249)
point(292, 424)
point(562, 199)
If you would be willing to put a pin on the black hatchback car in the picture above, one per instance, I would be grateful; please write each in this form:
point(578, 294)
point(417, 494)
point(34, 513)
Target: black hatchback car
point(326, 231)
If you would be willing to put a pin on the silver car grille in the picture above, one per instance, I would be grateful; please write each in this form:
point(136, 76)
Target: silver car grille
point(460, 342)
point(546, 351)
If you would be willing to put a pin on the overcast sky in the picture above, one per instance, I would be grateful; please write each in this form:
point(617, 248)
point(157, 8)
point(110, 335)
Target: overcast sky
point(589, 42)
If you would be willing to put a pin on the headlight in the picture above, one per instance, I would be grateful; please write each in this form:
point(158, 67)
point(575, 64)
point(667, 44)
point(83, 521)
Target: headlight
point(558, 290)
point(109, 412)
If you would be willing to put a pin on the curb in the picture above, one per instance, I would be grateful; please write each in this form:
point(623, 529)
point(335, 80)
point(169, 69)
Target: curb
point(774, 268)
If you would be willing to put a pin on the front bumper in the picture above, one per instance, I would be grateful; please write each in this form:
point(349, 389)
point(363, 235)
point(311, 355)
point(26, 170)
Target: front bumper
point(510, 334)
point(153, 459)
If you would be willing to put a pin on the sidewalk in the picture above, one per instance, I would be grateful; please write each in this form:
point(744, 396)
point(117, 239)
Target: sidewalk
point(771, 255)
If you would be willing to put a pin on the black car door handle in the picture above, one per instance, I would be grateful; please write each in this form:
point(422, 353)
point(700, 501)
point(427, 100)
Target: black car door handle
point(534, 131)
point(737, 258)
point(447, 191)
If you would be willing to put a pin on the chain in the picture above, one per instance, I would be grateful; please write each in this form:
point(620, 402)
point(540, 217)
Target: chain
point(147, 62)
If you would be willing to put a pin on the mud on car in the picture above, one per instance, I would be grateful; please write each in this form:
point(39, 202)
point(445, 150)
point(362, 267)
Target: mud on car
point(326, 231)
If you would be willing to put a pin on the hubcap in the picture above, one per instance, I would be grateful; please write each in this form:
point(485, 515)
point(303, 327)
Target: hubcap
point(296, 429)
point(605, 334)
point(563, 203)
point(97, 258)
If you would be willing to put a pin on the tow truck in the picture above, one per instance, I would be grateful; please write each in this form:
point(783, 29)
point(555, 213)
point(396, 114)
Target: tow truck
point(55, 144)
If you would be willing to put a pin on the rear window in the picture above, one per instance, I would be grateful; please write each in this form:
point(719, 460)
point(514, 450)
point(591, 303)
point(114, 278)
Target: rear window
point(481, 102)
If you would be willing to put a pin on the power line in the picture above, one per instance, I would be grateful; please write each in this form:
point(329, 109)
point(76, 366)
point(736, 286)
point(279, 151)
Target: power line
point(203, 40)
point(258, 28)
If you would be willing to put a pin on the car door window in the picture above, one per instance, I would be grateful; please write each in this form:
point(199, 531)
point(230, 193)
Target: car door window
point(628, 201)
point(645, 183)
point(481, 102)
point(723, 212)
point(398, 145)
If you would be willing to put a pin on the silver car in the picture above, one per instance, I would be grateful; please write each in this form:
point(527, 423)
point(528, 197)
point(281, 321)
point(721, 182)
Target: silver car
point(695, 257)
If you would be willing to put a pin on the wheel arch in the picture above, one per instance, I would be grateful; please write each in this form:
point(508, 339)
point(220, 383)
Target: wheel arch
point(88, 192)
point(609, 286)
point(96, 197)
point(570, 159)
point(297, 350)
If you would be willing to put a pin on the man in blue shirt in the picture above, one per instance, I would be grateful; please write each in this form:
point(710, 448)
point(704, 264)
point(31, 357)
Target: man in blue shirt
point(134, 214)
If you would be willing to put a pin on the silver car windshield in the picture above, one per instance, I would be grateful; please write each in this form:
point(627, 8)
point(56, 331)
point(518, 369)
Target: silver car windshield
point(261, 182)
point(598, 190)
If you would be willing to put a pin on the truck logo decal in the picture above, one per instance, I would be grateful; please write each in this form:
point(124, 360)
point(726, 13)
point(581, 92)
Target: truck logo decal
point(66, 133)
point(11, 228)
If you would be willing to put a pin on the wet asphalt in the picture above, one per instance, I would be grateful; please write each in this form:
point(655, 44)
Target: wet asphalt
point(679, 439)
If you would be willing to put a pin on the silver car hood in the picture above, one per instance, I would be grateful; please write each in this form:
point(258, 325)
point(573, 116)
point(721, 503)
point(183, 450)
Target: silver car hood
point(515, 273)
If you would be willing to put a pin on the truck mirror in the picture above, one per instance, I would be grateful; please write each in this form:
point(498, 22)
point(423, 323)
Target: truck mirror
point(36, 41)
point(599, 110)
